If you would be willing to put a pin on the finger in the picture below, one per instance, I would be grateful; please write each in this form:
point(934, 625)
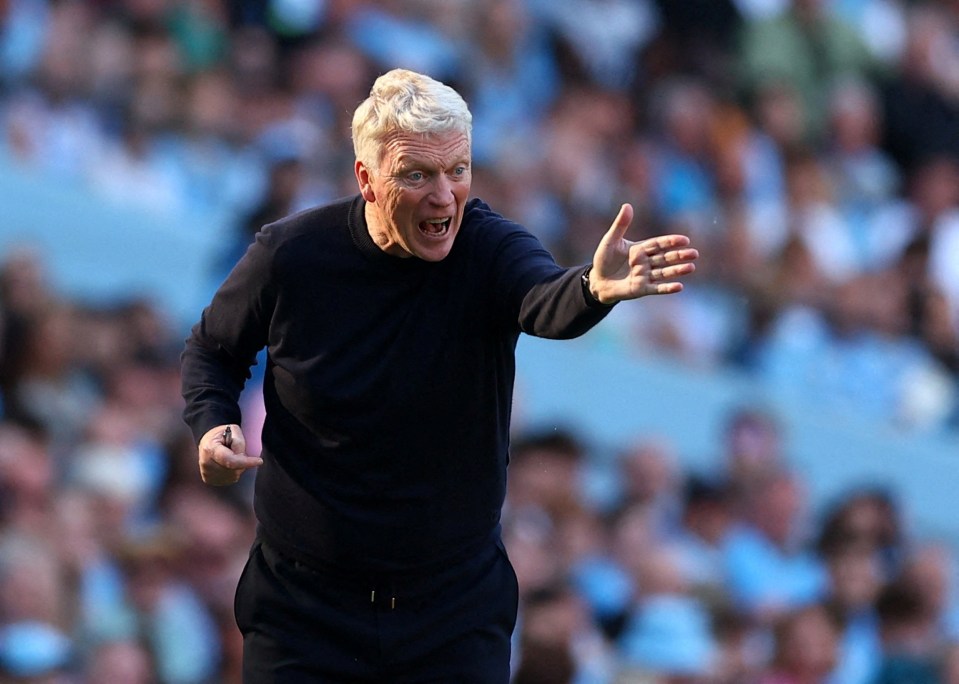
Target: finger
point(621, 223)
point(220, 470)
point(663, 243)
point(657, 276)
point(229, 437)
point(667, 288)
point(676, 271)
point(225, 458)
point(214, 475)
point(676, 256)
point(238, 442)
point(222, 435)
point(639, 257)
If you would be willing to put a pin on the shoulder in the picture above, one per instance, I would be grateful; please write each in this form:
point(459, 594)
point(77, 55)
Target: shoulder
point(493, 246)
point(478, 212)
point(307, 234)
point(484, 226)
point(312, 222)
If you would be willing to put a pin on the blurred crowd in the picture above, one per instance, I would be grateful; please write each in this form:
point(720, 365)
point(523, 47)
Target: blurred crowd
point(809, 147)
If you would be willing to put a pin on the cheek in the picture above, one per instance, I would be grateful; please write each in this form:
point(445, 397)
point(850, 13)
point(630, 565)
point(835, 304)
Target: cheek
point(391, 202)
point(401, 203)
point(462, 192)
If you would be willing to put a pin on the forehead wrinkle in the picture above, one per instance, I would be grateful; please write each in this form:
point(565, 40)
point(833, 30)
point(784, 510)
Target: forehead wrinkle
point(407, 149)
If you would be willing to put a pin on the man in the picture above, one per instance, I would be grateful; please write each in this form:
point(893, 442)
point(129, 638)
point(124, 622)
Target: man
point(390, 320)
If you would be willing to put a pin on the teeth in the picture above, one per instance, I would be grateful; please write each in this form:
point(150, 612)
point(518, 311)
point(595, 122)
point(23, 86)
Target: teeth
point(436, 226)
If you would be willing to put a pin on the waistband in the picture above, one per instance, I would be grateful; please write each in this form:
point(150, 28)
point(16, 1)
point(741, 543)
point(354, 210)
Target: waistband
point(408, 586)
point(355, 570)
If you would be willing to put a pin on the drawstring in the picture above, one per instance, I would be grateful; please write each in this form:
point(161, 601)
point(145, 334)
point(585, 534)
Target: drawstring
point(392, 597)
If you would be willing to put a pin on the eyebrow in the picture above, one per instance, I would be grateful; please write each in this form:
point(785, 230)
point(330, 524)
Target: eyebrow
point(407, 164)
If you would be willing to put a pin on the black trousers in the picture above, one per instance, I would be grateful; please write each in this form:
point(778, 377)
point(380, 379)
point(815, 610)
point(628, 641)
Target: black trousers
point(303, 626)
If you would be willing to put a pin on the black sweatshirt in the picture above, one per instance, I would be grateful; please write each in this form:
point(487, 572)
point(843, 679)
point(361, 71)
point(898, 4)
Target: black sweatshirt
point(389, 381)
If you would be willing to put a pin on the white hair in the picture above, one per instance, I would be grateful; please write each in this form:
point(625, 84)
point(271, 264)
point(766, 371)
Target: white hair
point(403, 100)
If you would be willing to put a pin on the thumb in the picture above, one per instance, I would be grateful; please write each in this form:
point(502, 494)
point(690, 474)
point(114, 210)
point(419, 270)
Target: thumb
point(620, 225)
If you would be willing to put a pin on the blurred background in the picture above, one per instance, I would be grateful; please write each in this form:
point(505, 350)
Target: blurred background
point(755, 481)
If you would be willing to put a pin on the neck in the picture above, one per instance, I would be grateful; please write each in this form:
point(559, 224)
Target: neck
point(379, 234)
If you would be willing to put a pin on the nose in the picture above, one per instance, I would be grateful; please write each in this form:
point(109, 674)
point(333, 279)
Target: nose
point(442, 193)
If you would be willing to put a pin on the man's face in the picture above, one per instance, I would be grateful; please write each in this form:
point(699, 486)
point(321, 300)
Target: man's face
point(417, 195)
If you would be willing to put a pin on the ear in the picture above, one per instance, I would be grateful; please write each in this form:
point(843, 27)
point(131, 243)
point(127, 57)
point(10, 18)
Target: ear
point(364, 181)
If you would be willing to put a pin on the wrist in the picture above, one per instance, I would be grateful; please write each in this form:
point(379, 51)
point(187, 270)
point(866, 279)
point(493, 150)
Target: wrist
point(591, 296)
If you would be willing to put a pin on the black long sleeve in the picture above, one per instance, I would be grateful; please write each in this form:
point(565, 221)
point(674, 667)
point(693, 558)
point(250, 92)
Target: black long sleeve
point(389, 381)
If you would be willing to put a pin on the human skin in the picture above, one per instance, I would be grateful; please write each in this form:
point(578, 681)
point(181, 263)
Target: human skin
point(417, 196)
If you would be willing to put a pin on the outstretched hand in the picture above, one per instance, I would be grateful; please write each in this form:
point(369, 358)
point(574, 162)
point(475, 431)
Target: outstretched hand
point(623, 269)
point(223, 460)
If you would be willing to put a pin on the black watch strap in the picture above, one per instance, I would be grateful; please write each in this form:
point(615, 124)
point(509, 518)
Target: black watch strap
point(590, 299)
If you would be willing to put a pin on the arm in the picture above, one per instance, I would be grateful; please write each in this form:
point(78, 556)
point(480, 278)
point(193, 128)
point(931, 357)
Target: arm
point(623, 269)
point(216, 362)
point(557, 306)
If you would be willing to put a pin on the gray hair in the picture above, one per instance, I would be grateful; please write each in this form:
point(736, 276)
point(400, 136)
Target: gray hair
point(403, 100)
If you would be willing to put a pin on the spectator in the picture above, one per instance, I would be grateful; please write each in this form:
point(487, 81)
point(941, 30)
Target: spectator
point(651, 477)
point(769, 567)
point(558, 642)
point(241, 111)
point(855, 581)
point(920, 89)
point(513, 76)
point(699, 37)
point(804, 47)
point(931, 566)
point(805, 647)
point(668, 633)
point(908, 635)
point(166, 613)
point(120, 662)
point(601, 39)
point(864, 177)
point(707, 519)
point(752, 449)
point(28, 485)
point(50, 389)
point(546, 471)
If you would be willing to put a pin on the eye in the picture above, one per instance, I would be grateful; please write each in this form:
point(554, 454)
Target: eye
point(416, 177)
point(460, 171)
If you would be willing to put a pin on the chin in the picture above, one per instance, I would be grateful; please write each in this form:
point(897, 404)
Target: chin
point(432, 249)
point(434, 253)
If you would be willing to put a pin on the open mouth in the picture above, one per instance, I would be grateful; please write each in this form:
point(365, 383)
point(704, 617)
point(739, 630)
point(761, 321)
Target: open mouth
point(436, 228)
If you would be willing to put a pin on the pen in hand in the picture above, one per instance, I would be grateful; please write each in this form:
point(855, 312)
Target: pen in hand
point(228, 437)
